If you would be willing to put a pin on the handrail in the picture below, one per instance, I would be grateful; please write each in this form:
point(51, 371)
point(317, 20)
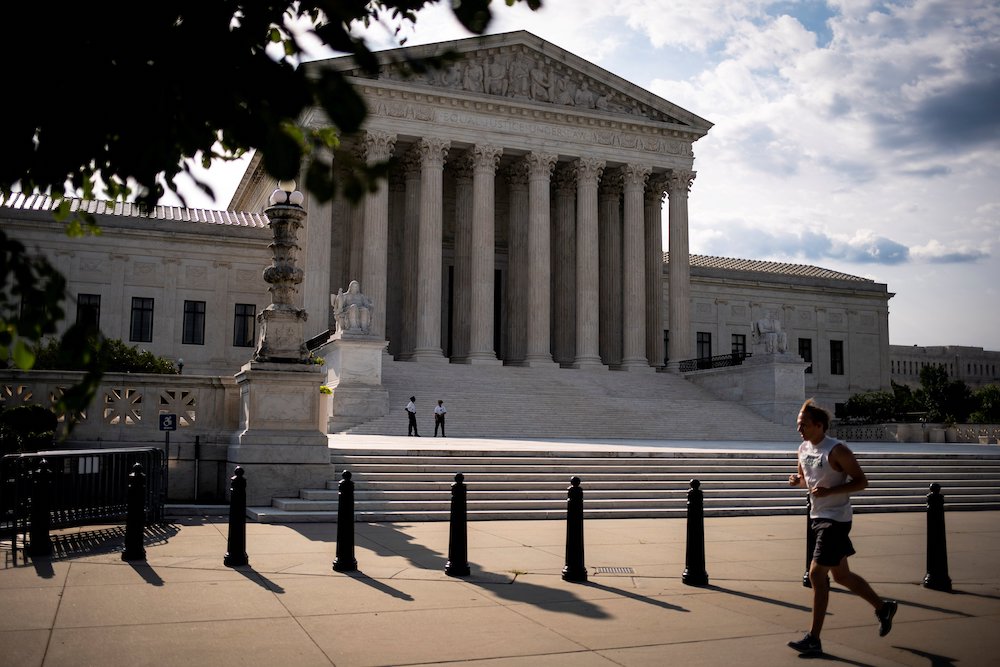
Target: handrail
point(719, 361)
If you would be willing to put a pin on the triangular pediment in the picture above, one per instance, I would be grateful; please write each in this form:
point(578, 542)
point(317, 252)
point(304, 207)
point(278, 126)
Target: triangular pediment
point(521, 67)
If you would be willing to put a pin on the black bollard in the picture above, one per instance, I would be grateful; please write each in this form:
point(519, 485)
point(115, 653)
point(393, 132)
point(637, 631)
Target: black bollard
point(458, 537)
point(345, 560)
point(937, 543)
point(135, 515)
point(39, 544)
point(694, 562)
point(236, 545)
point(574, 569)
point(810, 542)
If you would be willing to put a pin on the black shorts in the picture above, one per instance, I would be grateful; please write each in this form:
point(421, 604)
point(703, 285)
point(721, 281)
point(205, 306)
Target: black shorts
point(833, 542)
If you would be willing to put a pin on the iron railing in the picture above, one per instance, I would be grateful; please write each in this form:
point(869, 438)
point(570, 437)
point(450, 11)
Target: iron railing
point(720, 361)
point(87, 486)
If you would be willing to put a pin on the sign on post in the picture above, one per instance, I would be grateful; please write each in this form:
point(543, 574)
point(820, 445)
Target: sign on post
point(168, 423)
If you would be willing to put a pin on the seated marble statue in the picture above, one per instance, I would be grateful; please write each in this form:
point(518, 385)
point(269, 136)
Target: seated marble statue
point(352, 310)
point(767, 334)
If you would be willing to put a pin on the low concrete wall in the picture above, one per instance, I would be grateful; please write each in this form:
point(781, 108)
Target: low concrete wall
point(125, 413)
point(959, 433)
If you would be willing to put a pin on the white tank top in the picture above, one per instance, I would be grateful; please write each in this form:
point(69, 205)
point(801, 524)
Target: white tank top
point(815, 462)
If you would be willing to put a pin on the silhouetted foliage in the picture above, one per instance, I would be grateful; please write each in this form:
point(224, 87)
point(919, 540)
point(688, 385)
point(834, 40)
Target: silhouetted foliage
point(26, 428)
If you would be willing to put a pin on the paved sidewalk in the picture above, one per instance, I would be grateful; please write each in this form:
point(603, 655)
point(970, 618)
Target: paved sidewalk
point(184, 607)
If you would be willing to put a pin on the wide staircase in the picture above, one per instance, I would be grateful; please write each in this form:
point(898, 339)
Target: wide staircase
point(512, 402)
point(621, 408)
point(415, 485)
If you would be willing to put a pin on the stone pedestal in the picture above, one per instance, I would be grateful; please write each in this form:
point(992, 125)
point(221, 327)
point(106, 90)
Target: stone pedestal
point(355, 375)
point(774, 386)
point(279, 443)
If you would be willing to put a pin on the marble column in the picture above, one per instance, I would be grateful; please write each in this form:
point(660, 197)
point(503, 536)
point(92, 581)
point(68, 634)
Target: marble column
point(517, 262)
point(610, 238)
point(588, 172)
point(634, 270)
point(483, 252)
point(378, 148)
point(539, 260)
point(397, 245)
point(428, 343)
point(340, 240)
point(653, 217)
point(679, 305)
point(316, 285)
point(564, 266)
point(462, 169)
point(411, 238)
point(356, 257)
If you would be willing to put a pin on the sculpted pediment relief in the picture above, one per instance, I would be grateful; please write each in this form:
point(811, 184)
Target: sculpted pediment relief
point(520, 72)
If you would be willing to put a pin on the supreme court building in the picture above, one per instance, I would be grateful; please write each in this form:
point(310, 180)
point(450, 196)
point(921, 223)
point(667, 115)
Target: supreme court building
point(538, 180)
point(520, 225)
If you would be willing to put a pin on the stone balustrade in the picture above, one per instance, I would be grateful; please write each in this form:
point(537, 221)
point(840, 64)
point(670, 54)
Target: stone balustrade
point(917, 432)
point(127, 405)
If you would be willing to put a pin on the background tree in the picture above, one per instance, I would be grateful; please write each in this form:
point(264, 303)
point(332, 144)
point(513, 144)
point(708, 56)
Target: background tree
point(987, 400)
point(871, 407)
point(944, 400)
point(140, 94)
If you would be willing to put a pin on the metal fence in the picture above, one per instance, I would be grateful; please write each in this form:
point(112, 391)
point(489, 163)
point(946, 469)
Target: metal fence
point(84, 487)
point(720, 361)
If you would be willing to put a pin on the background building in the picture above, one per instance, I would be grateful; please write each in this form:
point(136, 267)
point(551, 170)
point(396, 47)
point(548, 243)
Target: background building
point(974, 366)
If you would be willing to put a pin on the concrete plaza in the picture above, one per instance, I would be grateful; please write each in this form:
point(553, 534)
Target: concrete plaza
point(85, 606)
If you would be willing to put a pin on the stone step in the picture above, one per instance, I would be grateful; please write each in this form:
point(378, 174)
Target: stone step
point(414, 483)
point(765, 495)
point(482, 401)
point(272, 515)
point(629, 486)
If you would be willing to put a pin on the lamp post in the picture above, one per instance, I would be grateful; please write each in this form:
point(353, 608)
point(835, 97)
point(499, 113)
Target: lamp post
point(281, 338)
point(180, 367)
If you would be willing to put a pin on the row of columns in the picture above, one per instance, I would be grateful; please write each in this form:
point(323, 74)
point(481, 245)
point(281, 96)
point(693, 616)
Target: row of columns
point(607, 219)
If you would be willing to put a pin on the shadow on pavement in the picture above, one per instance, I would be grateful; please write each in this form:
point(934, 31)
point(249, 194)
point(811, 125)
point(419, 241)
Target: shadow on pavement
point(758, 598)
point(258, 578)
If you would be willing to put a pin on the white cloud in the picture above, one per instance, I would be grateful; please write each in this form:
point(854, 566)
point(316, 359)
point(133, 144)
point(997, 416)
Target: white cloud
point(940, 253)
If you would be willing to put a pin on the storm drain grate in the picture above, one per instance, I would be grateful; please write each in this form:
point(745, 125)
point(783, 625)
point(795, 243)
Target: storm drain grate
point(615, 570)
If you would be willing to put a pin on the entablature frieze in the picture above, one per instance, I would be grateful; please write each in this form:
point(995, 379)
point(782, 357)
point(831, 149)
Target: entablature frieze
point(519, 126)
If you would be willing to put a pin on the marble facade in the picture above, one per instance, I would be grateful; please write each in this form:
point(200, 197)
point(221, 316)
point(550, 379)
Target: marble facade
point(539, 179)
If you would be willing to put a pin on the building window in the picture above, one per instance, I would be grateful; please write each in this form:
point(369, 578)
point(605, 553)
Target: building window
point(194, 323)
point(88, 311)
point(836, 357)
point(666, 346)
point(739, 345)
point(244, 332)
point(806, 352)
point(704, 344)
point(141, 328)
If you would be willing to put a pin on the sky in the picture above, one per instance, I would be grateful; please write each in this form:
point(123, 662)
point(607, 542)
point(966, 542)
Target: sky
point(856, 135)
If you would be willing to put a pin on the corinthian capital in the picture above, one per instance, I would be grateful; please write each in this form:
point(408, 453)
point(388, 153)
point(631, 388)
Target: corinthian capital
point(679, 181)
point(588, 169)
point(634, 175)
point(611, 183)
point(462, 166)
point(517, 173)
point(378, 145)
point(433, 151)
point(564, 178)
point(656, 187)
point(486, 156)
point(540, 164)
